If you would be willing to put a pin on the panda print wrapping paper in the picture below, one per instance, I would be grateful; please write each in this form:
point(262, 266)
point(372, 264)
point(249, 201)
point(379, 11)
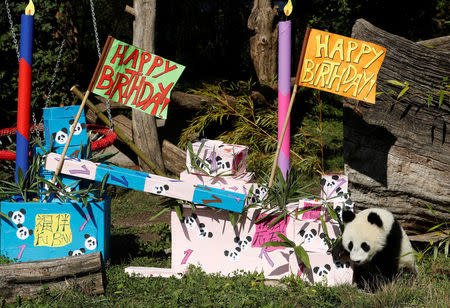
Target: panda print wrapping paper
point(207, 238)
point(217, 158)
point(40, 231)
point(201, 194)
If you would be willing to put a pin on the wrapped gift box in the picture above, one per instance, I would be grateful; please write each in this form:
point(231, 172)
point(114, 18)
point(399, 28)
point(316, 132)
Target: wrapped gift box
point(311, 235)
point(39, 231)
point(334, 187)
point(217, 158)
point(208, 239)
point(313, 214)
point(58, 122)
point(325, 270)
point(151, 183)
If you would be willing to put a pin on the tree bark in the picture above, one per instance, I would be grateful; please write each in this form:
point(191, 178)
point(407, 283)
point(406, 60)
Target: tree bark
point(28, 278)
point(263, 45)
point(145, 134)
point(397, 152)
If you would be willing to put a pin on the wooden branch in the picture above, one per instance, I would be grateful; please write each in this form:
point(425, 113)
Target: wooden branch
point(28, 278)
point(174, 157)
point(130, 10)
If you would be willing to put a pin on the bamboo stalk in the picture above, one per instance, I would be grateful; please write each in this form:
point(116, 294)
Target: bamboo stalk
point(119, 133)
point(280, 142)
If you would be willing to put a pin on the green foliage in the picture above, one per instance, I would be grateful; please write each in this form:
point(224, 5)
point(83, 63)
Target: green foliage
point(241, 120)
point(442, 233)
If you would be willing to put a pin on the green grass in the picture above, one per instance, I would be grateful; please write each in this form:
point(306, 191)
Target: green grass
point(198, 289)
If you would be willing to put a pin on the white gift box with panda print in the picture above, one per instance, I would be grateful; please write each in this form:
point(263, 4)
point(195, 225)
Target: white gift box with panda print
point(217, 158)
point(334, 187)
point(325, 270)
point(208, 239)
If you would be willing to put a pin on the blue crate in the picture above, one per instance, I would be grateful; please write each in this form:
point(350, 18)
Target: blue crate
point(39, 231)
point(57, 124)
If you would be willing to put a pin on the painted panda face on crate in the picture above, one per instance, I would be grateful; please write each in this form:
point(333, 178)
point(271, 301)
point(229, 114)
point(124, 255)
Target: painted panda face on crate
point(17, 217)
point(90, 242)
point(23, 232)
point(61, 136)
point(78, 128)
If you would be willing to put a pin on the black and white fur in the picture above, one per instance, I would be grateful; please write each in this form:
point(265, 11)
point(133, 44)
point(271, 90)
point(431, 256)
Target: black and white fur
point(376, 245)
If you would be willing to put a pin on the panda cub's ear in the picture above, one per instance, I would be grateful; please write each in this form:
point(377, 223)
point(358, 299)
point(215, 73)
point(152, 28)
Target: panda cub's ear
point(348, 216)
point(375, 219)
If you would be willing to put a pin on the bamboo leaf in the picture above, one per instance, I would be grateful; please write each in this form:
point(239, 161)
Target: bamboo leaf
point(159, 213)
point(403, 91)
point(441, 98)
point(430, 208)
point(276, 244)
point(303, 255)
point(276, 220)
point(396, 83)
point(179, 211)
point(285, 239)
point(447, 242)
point(430, 97)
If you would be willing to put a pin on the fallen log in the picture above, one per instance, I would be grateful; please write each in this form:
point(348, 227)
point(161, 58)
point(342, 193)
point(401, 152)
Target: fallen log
point(27, 279)
point(174, 158)
point(397, 152)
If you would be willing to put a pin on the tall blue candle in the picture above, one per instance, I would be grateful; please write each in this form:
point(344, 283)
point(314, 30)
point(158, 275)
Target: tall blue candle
point(24, 95)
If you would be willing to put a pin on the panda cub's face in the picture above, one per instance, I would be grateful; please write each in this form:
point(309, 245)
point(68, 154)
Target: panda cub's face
point(365, 234)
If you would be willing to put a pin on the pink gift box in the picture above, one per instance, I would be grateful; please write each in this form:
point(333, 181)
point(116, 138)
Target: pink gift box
point(334, 187)
point(217, 158)
point(208, 239)
point(325, 270)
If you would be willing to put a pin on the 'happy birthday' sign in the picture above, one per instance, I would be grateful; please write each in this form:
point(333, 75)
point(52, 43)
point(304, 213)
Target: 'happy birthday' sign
point(341, 65)
point(134, 77)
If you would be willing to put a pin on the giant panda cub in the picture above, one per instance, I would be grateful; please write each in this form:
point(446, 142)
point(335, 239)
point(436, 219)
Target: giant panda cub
point(376, 245)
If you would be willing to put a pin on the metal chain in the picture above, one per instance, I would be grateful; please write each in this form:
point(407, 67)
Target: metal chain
point(108, 103)
point(94, 21)
point(55, 71)
point(13, 33)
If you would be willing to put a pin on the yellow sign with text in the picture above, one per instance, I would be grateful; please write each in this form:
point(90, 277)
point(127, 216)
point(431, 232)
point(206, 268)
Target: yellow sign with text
point(341, 65)
point(52, 230)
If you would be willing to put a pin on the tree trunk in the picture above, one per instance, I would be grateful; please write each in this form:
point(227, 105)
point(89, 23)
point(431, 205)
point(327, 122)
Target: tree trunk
point(263, 45)
point(27, 279)
point(145, 134)
point(396, 152)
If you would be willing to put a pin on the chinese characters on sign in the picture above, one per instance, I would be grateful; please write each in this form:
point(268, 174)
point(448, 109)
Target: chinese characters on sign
point(52, 230)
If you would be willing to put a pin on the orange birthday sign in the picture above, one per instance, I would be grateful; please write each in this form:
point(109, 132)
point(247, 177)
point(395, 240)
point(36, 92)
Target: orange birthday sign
point(341, 65)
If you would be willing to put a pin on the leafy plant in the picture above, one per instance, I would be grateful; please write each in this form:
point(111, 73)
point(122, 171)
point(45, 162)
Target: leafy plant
point(442, 231)
point(237, 118)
